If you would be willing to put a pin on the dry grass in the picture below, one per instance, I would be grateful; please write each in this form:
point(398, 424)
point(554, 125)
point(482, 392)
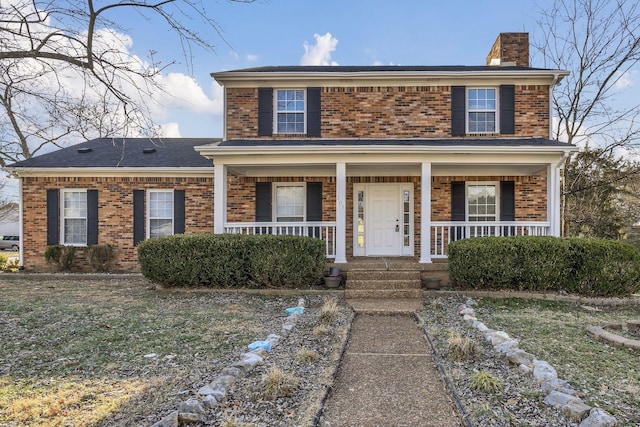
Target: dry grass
point(73, 351)
point(329, 311)
point(486, 382)
point(461, 348)
point(606, 375)
point(306, 355)
point(277, 383)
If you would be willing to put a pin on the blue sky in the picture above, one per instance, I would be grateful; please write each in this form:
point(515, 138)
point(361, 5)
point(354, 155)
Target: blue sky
point(345, 32)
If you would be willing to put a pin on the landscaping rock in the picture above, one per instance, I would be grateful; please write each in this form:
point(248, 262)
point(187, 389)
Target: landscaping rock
point(576, 410)
point(559, 399)
point(599, 418)
point(507, 346)
point(469, 318)
point(191, 406)
point(542, 371)
point(555, 384)
point(233, 371)
point(526, 370)
point(210, 402)
point(467, 311)
point(481, 327)
point(274, 339)
point(521, 357)
point(499, 337)
point(189, 418)
point(170, 420)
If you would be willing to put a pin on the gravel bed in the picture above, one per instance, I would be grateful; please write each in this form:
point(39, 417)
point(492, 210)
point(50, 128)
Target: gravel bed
point(519, 403)
point(247, 405)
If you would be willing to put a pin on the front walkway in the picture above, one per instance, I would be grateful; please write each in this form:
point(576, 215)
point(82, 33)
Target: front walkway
point(388, 375)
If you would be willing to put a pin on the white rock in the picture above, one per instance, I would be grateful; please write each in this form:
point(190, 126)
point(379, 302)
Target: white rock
point(558, 399)
point(170, 420)
point(575, 410)
point(507, 346)
point(150, 356)
point(524, 369)
point(469, 318)
point(482, 327)
point(191, 406)
point(521, 357)
point(542, 371)
point(210, 401)
point(599, 418)
point(499, 337)
point(469, 311)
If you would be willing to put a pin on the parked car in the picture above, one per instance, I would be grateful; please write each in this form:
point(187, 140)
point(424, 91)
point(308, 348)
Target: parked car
point(10, 242)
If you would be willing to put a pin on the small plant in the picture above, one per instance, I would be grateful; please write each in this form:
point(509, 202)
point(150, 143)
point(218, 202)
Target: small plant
point(321, 330)
point(3, 262)
point(437, 304)
point(329, 311)
point(486, 382)
point(276, 383)
point(11, 266)
point(60, 256)
point(306, 355)
point(461, 348)
point(100, 257)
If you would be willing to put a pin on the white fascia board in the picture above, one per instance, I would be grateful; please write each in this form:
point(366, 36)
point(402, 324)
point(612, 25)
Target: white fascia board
point(421, 78)
point(117, 172)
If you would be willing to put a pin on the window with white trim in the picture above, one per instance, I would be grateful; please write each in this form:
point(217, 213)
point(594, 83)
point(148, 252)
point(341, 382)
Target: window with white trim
point(74, 217)
point(289, 202)
point(160, 213)
point(482, 110)
point(290, 111)
point(482, 202)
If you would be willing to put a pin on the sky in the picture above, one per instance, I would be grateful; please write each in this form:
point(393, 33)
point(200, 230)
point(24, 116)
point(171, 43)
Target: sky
point(320, 32)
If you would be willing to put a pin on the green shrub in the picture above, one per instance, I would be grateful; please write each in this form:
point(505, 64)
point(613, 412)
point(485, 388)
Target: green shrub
point(590, 267)
point(60, 256)
point(232, 260)
point(3, 262)
point(100, 257)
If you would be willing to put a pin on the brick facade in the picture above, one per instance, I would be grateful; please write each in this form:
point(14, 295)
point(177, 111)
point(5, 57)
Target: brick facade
point(115, 214)
point(388, 111)
point(510, 48)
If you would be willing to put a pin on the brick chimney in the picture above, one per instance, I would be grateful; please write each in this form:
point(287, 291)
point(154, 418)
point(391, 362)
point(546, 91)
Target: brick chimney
point(510, 49)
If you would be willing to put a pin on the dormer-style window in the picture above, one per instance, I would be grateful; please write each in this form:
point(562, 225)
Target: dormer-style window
point(290, 111)
point(481, 110)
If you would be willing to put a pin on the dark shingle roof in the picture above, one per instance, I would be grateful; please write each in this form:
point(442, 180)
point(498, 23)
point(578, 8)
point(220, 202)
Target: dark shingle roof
point(125, 152)
point(379, 68)
point(412, 142)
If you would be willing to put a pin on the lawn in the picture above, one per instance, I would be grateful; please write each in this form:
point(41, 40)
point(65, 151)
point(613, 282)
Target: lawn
point(116, 351)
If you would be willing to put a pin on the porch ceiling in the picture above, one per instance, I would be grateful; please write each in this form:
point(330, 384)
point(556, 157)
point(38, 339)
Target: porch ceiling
point(393, 169)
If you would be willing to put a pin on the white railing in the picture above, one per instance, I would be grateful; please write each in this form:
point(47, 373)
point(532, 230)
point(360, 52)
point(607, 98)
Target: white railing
point(320, 229)
point(443, 233)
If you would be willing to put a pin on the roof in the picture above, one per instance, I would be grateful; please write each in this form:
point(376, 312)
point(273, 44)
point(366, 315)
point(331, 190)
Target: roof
point(125, 153)
point(378, 68)
point(393, 142)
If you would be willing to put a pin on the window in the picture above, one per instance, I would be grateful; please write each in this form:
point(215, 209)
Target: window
point(289, 203)
point(290, 111)
point(160, 213)
point(481, 110)
point(482, 201)
point(74, 217)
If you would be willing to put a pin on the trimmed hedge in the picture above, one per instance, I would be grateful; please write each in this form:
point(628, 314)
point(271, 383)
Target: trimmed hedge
point(589, 267)
point(233, 260)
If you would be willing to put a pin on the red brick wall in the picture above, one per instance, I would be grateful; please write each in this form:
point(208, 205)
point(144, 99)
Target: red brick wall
point(115, 214)
point(385, 112)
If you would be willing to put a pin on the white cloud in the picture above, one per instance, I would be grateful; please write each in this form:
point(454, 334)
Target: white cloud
point(627, 79)
point(169, 130)
point(184, 92)
point(251, 57)
point(320, 53)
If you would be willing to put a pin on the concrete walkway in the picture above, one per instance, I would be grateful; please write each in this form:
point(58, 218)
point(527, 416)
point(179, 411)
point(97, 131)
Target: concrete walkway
point(388, 376)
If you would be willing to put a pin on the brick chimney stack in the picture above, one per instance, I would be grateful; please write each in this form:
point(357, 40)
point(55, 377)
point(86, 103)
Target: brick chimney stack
point(510, 49)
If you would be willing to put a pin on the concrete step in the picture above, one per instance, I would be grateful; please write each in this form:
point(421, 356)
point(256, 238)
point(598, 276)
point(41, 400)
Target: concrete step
point(383, 284)
point(382, 293)
point(383, 275)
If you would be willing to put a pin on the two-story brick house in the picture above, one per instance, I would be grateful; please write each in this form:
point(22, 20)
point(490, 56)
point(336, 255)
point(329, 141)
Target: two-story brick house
point(375, 160)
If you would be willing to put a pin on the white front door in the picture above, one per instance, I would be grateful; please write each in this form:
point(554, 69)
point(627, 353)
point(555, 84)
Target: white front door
point(384, 227)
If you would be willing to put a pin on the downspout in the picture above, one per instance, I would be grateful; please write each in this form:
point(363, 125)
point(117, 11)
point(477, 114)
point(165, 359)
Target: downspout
point(21, 224)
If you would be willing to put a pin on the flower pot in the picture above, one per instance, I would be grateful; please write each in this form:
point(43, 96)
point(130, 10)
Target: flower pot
point(332, 282)
point(432, 283)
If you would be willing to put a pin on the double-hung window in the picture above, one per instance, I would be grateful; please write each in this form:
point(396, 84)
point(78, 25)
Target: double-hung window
point(74, 217)
point(289, 203)
point(290, 111)
point(160, 213)
point(482, 202)
point(482, 110)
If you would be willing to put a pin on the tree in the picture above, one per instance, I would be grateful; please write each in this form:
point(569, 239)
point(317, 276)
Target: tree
point(598, 42)
point(66, 71)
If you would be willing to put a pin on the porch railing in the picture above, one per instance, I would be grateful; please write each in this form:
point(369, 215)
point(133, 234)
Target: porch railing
point(323, 230)
point(443, 233)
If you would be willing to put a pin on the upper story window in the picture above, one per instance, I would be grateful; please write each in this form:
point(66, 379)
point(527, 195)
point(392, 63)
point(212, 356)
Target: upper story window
point(290, 111)
point(160, 217)
point(481, 110)
point(289, 202)
point(74, 217)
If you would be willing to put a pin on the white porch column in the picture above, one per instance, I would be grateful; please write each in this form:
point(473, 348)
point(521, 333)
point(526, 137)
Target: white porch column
point(425, 214)
point(341, 213)
point(553, 192)
point(219, 198)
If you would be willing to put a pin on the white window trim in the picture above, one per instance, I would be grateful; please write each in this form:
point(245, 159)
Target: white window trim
point(63, 217)
point(496, 125)
point(274, 207)
point(275, 110)
point(148, 211)
point(466, 197)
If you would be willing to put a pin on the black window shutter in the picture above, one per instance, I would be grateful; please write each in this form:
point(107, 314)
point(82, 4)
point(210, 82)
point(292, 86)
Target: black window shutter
point(138, 216)
point(507, 109)
point(92, 217)
point(314, 201)
point(178, 211)
point(265, 111)
point(313, 111)
point(53, 216)
point(507, 201)
point(263, 202)
point(458, 208)
point(458, 110)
